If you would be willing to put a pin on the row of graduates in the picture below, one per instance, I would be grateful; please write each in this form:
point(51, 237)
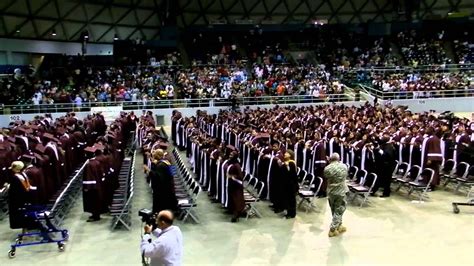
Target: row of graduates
point(369, 137)
point(41, 154)
point(105, 157)
point(220, 170)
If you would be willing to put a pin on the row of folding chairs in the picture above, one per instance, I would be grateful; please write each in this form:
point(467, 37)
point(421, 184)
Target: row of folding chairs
point(461, 174)
point(253, 189)
point(413, 179)
point(186, 189)
point(63, 200)
point(309, 187)
point(360, 183)
point(120, 208)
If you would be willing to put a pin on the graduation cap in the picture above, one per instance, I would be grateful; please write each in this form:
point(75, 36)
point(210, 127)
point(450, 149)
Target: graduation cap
point(32, 138)
point(25, 130)
point(11, 139)
point(90, 149)
point(28, 158)
point(40, 148)
point(99, 146)
point(50, 137)
point(231, 147)
point(34, 127)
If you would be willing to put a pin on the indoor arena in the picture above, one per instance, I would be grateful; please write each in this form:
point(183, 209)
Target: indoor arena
point(236, 132)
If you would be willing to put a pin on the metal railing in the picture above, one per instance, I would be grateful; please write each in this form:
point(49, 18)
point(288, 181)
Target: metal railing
point(409, 69)
point(401, 95)
point(244, 101)
point(169, 104)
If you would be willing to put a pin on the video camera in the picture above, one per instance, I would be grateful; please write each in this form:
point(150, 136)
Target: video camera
point(147, 216)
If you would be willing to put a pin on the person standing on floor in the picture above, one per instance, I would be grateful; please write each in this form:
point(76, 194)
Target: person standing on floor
point(162, 183)
point(167, 248)
point(385, 158)
point(235, 187)
point(290, 184)
point(336, 173)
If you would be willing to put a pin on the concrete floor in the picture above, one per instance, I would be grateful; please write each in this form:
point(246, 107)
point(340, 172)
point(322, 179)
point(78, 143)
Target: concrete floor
point(387, 232)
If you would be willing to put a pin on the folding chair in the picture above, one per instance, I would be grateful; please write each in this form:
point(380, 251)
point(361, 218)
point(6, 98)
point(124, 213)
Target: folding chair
point(365, 188)
point(448, 169)
point(422, 183)
point(122, 215)
point(187, 205)
point(411, 175)
point(185, 192)
point(466, 180)
point(359, 178)
point(307, 182)
point(301, 175)
point(352, 172)
point(251, 200)
point(247, 178)
point(309, 194)
point(250, 188)
point(460, 170)
point(400, 171)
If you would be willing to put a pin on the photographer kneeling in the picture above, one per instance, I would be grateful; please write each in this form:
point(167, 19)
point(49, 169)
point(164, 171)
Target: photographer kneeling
point(167, 249)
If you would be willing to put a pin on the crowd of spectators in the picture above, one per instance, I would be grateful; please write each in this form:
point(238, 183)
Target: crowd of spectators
point(82, 85)
point(251, 64)
point(212, 48)
point(419, 49)
point(261, 80)
point(145, 83)
point(424, 85)
point(464, 47)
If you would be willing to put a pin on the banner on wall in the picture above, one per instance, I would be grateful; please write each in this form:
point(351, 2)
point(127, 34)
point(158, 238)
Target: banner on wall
point(109, 112)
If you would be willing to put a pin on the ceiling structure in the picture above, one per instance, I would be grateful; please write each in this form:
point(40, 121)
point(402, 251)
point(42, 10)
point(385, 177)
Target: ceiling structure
point(68, 20)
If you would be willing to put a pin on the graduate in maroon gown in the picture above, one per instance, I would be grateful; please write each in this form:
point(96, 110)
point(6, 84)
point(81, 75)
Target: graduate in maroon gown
point(432, 156)
point(92, 187)
point(235, 188)
point(36, 179)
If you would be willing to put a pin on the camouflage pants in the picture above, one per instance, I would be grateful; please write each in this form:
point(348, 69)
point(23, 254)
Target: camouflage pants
point(338, 207)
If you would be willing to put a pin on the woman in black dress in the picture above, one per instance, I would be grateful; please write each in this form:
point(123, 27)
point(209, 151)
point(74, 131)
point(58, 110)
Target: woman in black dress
point(289, 173)
point(19, 197)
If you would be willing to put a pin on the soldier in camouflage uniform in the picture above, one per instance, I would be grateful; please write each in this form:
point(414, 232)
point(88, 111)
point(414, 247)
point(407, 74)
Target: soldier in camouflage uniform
point(336, 173)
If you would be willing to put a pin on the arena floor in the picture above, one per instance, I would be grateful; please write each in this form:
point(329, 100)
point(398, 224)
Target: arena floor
point(391, 231)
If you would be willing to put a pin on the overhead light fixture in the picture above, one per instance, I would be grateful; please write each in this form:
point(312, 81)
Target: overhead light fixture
point(86, 35)
point(116, 37)
point(53, 32)
point(17, 31)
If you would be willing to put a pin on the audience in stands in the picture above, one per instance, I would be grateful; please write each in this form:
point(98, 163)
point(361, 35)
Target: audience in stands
point(464, 47)
point(422, 50)
point(264, 80)
point(425, 84)
point(337, 51)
